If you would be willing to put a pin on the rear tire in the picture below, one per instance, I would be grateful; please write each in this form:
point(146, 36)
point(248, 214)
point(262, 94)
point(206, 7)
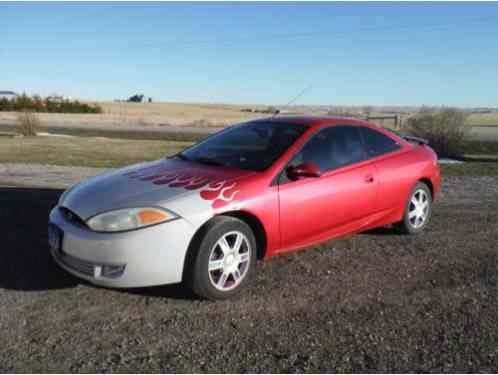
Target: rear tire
point(418, 210)
point(224, 259)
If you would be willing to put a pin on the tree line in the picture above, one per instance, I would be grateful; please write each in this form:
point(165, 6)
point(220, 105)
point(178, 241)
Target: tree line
point(48, 105)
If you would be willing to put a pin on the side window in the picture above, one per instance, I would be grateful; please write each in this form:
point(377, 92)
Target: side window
point(377, 143)
point(331, 148)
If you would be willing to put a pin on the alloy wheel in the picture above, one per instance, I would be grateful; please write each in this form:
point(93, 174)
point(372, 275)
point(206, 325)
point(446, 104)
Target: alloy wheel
point(419, 208)
point(229, 261)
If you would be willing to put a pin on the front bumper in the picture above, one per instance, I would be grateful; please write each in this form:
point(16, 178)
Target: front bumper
point(144, 257)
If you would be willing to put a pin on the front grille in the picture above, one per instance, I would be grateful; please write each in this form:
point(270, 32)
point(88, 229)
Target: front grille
point(79, 265)
point(72, 217)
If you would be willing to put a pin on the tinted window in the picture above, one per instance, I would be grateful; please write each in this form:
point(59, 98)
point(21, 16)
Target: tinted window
point(377, 143)
point(332, 148)
point(253, 146)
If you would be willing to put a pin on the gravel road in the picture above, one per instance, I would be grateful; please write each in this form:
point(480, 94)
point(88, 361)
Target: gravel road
point(372, 302)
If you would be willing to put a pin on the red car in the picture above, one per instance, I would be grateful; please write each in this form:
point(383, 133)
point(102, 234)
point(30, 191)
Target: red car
point(251, 191)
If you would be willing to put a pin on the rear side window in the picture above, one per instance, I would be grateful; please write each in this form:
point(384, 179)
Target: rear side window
point(377, 143)
point(332, 148)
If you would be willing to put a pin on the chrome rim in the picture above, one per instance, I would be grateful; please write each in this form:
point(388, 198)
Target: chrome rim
point(229, 261)
point(419, 208)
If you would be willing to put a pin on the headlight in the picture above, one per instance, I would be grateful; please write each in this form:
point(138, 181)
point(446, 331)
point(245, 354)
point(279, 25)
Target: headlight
point(129, 218)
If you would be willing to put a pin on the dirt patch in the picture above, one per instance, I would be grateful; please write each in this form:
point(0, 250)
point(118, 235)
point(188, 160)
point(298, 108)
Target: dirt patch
point(372, 302)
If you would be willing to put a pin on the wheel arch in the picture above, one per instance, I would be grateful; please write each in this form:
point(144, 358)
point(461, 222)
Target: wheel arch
point(257, 227)
point(429, 184)
point(250, 219)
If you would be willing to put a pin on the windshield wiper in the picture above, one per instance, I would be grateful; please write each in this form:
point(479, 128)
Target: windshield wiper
point(208, 161)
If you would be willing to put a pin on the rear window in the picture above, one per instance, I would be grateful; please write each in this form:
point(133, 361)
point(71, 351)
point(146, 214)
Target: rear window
point(377, 143)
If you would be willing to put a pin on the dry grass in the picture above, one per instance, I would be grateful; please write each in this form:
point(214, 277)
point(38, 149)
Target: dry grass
point(85, 152)
point(150, 114)
point(184, 114)
point(164, 116)
point(479, 119)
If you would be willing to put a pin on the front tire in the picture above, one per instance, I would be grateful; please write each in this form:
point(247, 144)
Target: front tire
point(225, 259)
point(418, 210)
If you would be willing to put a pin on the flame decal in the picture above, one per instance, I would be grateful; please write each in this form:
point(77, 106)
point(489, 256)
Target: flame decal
point(220, 192)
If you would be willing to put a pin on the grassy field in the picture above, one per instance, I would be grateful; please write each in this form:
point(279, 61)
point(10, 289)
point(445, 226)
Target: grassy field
point(110, 153)
point(476, 147)
point(146, 120)
point(84, 152)
point(471, 168)
point(149, 114)
point(177, 135)
point(482, 119)
point(189, 114)
point(484, 133)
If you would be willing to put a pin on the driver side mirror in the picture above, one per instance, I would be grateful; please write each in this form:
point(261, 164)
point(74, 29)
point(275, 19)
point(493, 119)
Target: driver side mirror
point(303, 171)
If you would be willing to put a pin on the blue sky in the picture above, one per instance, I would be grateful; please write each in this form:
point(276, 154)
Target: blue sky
point(350, 54)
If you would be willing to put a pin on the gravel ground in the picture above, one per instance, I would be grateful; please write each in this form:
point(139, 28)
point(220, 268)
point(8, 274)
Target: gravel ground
point(372, 302)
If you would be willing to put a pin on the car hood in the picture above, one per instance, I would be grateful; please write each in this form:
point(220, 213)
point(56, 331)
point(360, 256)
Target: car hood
point(153, 184)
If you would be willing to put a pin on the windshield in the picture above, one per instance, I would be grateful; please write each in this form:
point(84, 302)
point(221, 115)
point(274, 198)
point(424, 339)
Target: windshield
point(253, 146)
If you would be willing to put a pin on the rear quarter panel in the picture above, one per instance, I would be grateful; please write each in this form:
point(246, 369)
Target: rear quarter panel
point(399, 172)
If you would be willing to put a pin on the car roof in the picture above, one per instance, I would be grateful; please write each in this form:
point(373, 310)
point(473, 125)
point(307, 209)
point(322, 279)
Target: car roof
point(314, 121)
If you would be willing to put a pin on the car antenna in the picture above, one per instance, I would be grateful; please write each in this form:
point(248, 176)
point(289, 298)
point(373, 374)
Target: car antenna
point(277, 111)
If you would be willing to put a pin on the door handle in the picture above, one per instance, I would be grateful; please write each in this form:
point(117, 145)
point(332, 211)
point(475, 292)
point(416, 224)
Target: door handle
point(368, 178)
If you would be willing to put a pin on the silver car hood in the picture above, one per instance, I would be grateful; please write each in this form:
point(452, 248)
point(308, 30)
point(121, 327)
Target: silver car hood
point(147, 184)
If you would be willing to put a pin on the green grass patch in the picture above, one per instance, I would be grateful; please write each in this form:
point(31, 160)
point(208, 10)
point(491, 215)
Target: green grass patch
point(85, 152)
point(139, 134)
point(470, 169)
point(113, 153)
point(480, 147)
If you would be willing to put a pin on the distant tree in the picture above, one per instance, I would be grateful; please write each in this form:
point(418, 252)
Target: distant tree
point(445, 130)
point(39, 104)
point(27, 123)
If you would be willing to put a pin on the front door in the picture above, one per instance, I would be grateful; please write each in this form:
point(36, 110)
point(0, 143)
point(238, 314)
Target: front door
point(316, 208)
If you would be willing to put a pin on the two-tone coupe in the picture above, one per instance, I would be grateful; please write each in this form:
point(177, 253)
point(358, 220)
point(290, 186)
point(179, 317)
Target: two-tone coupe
point(252, 191)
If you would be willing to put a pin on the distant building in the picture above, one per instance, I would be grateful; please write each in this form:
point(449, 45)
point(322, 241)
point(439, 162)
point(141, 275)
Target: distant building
point(139, 99)
point(136, 98)
point(8, 95)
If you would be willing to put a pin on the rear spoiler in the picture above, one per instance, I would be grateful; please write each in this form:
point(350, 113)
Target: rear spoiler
point(412, 139)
